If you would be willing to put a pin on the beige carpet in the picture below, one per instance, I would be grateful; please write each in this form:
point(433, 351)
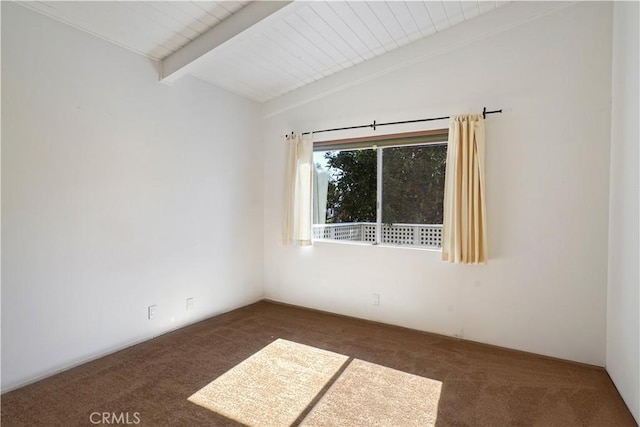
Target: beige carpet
point(481, 385)
point(367, 394)
point(273, 386)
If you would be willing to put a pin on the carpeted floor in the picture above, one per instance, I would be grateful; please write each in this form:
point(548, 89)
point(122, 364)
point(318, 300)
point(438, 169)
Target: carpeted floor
point(481, 385)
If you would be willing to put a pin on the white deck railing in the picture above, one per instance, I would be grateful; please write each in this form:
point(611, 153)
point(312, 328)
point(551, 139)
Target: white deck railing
point(424, 235)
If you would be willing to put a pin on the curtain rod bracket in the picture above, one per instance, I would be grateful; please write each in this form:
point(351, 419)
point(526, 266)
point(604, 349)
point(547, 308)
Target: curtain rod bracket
point(485, 112)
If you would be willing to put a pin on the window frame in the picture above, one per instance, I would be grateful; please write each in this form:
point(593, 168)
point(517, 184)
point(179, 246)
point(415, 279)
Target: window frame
point(428, 137)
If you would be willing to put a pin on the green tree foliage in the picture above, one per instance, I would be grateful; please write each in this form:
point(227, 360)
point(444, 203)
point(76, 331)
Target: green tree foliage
point(352, 189)
point(412, 185)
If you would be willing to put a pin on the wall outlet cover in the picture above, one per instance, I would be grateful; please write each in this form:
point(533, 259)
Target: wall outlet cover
point(153, 309)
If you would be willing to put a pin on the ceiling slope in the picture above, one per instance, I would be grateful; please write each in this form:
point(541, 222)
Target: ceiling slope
point(262, 50)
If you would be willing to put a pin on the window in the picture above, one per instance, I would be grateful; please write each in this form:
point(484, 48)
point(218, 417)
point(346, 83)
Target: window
point(385, 190)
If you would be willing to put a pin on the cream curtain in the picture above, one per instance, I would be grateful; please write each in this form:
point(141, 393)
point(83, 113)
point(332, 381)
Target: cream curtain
point(298, 191)
point(464, 234)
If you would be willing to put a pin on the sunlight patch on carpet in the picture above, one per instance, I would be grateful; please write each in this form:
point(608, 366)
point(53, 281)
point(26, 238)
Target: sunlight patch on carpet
point(367, 394)
point(273, 386)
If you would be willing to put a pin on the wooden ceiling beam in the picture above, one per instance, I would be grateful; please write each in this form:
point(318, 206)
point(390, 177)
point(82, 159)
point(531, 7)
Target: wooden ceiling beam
point(184, 59)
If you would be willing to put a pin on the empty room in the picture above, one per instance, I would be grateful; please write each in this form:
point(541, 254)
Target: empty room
point(320, 213)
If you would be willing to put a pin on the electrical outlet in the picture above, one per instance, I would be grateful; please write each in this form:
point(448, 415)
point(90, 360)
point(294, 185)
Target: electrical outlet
point(153, 309)
point(189, 303)
point(376, 299)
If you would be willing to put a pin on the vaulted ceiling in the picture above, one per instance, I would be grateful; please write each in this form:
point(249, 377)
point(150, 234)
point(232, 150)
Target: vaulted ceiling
point(264, 49)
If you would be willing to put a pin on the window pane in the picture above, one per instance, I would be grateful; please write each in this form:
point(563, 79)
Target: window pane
point(412, 178)
point(413, 184)
point(350, 186)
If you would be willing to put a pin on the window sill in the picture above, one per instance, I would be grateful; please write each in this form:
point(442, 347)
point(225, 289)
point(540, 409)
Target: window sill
point(352, 243)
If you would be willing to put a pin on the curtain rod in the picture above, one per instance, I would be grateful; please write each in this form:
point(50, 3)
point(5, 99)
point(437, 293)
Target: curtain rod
point(374, 124)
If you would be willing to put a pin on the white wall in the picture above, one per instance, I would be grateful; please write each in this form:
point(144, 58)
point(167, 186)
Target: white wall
point(544, 289)
point(623, 298)
point(118, 192)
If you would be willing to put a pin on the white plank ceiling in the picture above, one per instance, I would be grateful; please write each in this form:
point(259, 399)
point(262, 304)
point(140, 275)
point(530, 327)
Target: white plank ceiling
point(304, 42)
